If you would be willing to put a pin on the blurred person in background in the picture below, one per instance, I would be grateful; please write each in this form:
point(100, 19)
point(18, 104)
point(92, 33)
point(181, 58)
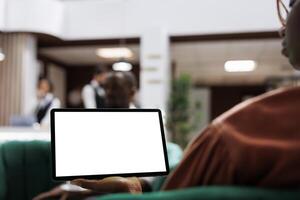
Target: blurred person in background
point(256, 143)
point(45, 101)
point(118, 91)
point(93, 94)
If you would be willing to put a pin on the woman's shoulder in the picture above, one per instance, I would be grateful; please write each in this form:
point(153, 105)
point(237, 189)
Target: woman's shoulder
point(277, 101)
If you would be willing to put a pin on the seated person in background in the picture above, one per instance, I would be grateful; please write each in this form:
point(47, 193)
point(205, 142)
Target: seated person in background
point(257, 143)
point(120, 87)
point(93, 94)
point(118, 91)
point(45, 101)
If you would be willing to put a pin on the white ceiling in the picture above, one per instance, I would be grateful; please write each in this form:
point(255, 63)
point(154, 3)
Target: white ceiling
point(204, 61)
point(84, 55)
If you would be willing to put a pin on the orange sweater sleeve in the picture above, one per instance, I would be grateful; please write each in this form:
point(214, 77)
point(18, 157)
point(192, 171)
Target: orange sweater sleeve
point(205, 161)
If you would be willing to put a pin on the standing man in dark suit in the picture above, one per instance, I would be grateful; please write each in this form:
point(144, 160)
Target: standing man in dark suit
point(93, 94)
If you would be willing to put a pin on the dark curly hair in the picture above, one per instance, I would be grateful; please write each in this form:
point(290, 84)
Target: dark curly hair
point(117, 91)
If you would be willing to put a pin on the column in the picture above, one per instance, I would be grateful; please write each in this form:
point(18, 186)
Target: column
point(155, 69)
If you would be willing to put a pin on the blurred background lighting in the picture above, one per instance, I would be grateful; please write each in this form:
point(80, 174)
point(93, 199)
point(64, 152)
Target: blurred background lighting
point(122, 66)
point(240, 66)
point(121, 52)
point(2, 55)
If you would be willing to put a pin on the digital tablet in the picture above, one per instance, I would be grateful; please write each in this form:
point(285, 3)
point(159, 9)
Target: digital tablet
point(97, 143)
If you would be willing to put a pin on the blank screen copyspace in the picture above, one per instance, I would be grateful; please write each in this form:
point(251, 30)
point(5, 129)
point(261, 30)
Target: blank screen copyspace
point(100, 143)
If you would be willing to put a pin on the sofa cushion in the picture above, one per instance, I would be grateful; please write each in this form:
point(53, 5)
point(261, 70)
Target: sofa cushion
point(38, 168)
point(27, 168)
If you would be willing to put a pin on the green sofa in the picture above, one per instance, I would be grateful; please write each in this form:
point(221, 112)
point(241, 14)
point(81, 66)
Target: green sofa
point(25, 171)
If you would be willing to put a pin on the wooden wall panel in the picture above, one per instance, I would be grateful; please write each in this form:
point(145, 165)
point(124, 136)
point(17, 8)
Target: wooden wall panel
point(11, 71)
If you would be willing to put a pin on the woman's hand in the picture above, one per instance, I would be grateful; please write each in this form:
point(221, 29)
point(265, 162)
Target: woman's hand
point(111, 185)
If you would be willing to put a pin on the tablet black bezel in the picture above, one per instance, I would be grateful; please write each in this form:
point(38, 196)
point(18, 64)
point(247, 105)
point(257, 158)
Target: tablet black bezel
point(144, 174)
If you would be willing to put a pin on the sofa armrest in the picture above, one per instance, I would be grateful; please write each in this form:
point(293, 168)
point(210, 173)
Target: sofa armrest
point(174, 156)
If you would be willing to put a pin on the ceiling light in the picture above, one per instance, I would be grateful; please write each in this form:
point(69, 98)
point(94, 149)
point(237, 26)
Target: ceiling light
point(2, 55)
point(240, 66)
point(122, 66)
point(121, 52)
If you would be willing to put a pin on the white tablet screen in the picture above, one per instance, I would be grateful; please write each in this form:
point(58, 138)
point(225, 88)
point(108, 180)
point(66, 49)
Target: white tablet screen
point(107, 143)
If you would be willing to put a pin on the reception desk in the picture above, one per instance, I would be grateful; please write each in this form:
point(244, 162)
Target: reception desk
point(23, 134)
